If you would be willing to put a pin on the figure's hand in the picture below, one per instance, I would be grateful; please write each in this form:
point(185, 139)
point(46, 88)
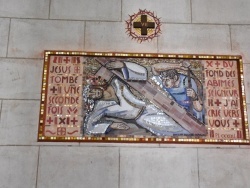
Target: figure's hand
point(115, 65)
point(119, 126)
point(191, 93)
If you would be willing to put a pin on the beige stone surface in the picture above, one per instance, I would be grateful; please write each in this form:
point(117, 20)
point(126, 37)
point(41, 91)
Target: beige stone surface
point(241, 41)
point(168, 11)
point(29, 38)
point(224, 168)
point(20, 78)
point(0, 108)
point(78, 167)
point(18, 166)
point(110, 144)
point(248, 117)
point(19, 122)
point(194, 39)
point(158, 167)
point(248, 114)
point(246, 69)
point(4, 33)
point(24, 8)
point(185, 145)
point(220, 11)
point(112, 37)
point(105, 10)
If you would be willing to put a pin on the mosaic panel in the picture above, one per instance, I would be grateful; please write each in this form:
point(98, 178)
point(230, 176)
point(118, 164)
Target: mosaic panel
point(145, 98)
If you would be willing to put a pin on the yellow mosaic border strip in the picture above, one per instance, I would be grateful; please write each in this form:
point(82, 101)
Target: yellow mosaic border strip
point(144, 139)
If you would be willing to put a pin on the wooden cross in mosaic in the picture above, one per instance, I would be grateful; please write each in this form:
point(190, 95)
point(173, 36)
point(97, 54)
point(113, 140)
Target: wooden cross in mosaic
point(144, 25)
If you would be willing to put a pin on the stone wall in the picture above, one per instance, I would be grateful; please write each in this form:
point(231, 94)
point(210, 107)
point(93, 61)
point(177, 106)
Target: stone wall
point(28, 27)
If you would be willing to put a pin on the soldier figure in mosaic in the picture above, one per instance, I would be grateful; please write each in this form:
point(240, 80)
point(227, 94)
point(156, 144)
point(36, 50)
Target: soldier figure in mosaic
point(182, 85)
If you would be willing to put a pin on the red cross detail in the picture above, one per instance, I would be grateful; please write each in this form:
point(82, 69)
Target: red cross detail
point(74, 120)
point(217, 63)
point(53, 89)
point(66, 60)
point(49, 120)
point(217, 102)
point(236, 123)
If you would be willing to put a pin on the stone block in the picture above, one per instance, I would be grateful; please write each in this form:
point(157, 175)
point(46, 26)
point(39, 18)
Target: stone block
point(221, 11)
point(195, 39)
point(18, 166)
point(0, 109)
point(134, 145)
point(246, 69)
point(78, 167)
point(29, 38)
point(112, 37)
point(108, 10)
point(19, 122)
point(241, 41)
point(157, 167)
point(168, 11)
point(24, 8)
point(224, 168)
point(248, 115)
point(4, 33)
point(197, 146)
point(20, 78)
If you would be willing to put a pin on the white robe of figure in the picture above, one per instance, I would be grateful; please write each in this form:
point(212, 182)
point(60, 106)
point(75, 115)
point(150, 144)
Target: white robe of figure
point(129, 107)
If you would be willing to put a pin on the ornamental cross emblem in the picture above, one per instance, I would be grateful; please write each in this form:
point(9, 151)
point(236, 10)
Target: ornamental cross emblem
point(143, 26)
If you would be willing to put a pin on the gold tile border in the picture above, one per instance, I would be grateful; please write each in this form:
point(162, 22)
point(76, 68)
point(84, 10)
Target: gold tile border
point(121, 139)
